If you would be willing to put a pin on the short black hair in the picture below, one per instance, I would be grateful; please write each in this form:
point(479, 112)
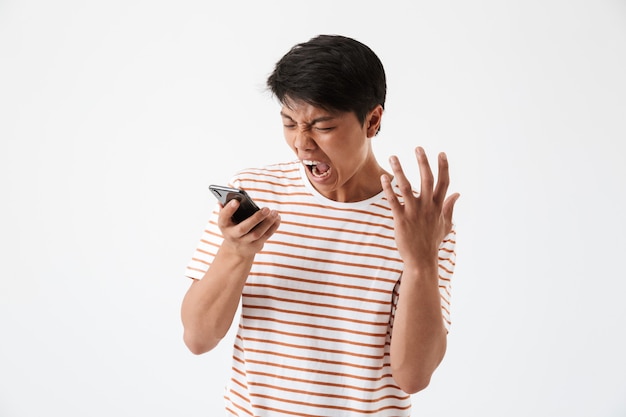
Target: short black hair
point(333, 72)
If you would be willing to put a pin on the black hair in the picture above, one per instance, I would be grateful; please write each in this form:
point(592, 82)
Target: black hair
point(332, 72)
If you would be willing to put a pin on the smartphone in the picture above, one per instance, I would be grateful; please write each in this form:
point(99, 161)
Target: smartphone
point(246, 206)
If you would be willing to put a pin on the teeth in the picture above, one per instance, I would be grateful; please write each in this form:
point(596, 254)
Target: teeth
point(313, 167)
point(318, 175)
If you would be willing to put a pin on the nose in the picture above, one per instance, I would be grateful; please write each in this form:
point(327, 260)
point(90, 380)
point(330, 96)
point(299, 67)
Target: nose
point(303, 140)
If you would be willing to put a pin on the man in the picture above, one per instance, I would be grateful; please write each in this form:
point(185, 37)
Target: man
point(344, 274)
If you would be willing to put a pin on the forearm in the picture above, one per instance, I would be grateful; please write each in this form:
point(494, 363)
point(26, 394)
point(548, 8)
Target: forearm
point(418, 342)
point(210, 304)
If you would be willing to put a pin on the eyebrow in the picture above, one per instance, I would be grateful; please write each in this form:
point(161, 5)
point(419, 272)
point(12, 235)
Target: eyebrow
point(316, 120)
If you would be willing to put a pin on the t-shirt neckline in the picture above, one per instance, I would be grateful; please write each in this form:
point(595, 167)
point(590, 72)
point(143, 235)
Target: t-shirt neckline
point(339, 204)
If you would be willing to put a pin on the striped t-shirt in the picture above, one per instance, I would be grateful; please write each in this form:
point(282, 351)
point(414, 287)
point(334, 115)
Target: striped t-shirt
point(317, 307)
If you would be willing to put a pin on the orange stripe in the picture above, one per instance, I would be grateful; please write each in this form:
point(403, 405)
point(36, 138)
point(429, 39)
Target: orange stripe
point(329, 261)
point(446, 290)
point(334, 407)
point(443, 307)
point(333, 306)
point(312, 348)
point(196, 269)
point(291, 194)
point(318, 282)
point(320, 394)
point(322, 272)
point(442, 278)
point(311, 314)
point(328, 239)
point(312, 326)
point(230, 410)
point(206, 242)
point(323, 383)
point(280, 168)
point(337, 251)
point(315, 337)
point(202, 261)
point(337, 219)
point(322, 372)
point(247, 400)
point(449, 271)
point(317, 293)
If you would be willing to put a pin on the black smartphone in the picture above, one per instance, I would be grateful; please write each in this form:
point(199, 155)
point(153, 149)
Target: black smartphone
point(246, 206)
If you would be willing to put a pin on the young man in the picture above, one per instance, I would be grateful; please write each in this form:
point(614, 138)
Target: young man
point(345, 293)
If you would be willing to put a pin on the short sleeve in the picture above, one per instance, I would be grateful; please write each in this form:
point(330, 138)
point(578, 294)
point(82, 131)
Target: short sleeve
point(447, 259)
point(206, 250)
point(446, 263)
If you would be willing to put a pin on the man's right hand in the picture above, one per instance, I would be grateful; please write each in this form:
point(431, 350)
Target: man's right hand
point(248, 237)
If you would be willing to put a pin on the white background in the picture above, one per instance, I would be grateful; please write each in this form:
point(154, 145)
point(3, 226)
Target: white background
point(115, 117)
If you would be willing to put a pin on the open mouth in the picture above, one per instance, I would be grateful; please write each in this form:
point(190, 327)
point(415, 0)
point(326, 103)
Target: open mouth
point(317, 169)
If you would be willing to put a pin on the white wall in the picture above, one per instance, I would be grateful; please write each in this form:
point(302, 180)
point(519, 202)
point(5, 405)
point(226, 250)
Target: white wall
point(115, 116)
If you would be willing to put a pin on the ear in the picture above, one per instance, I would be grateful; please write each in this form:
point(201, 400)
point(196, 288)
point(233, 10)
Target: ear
point(373, 120)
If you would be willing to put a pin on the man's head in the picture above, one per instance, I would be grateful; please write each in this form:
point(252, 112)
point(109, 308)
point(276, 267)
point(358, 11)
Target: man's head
point(331, 72)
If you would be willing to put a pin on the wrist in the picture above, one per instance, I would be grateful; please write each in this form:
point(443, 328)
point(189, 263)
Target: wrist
point(422, 261)
point(235, 253)
point(422, 269)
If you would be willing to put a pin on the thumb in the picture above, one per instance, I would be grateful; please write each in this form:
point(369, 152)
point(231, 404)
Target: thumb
point(228, 210)
point(448, 207)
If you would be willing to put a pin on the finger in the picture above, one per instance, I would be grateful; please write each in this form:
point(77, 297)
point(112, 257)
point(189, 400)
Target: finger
point(273, 227)
point(404, 186)
point(426, 174)
point(247, 225)
point(391, 196)
point(261, 229)
point(226, 213)
point(448, 207)
point(443, 179)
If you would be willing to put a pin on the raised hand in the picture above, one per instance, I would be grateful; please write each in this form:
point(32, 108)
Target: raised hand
point(420, 222)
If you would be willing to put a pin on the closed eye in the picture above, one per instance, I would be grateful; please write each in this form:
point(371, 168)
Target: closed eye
point(324, 129)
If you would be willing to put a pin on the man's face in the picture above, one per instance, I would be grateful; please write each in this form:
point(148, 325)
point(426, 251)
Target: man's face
point(335, 148)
